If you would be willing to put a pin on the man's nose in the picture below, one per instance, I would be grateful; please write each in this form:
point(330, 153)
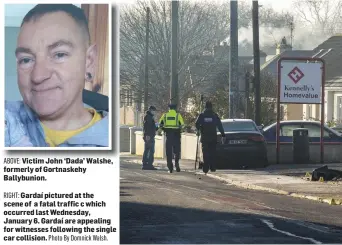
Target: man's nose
point(41, 71)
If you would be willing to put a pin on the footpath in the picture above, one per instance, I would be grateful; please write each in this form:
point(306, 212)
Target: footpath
point(279, 179)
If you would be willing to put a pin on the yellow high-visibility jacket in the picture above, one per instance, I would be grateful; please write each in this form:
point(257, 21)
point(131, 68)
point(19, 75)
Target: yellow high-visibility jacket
point(171, 120)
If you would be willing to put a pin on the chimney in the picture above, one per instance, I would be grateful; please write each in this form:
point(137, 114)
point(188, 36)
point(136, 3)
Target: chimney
point(224, 43)
point(283, 46)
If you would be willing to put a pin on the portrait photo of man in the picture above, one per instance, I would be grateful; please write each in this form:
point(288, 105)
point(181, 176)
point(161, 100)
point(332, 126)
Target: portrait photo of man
point(58, 94)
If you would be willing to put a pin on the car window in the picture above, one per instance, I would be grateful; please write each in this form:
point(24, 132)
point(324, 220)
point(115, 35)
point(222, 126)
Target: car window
point(287, 129)
point(239, 126)
point(315, 130)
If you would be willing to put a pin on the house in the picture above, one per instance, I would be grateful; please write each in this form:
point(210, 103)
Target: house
point(331, 51)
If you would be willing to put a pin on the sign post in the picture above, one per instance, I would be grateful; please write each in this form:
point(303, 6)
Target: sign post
point(301, 81)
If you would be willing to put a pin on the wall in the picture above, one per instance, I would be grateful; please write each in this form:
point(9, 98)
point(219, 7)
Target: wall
point(124, 139)
point(188, 146)
point(329, 105)
point(126, 115)
point(294, 112)
point(336, 95)
point(11, 84)
point(97, 15)
point(159, 145)
point(332, 153)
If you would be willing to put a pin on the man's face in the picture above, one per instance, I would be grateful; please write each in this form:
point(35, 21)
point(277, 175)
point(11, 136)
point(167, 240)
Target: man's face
point(51, 63)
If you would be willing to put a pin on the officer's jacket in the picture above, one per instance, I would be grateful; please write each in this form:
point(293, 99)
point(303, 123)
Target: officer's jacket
point(207, 122)
point(171, 120)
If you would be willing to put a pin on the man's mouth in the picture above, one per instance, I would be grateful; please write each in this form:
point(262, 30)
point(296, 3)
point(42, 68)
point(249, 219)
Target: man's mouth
point(41, 90)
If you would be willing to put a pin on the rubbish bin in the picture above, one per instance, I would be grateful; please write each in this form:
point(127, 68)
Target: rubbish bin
point(301, 153)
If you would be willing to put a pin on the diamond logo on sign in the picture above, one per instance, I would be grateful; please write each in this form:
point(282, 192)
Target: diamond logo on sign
point(296, 75)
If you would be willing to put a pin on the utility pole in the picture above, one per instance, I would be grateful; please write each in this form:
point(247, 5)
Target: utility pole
point(291, 31)
point(257, 95)
point(146, 58)
point(247, 83)
point(234, 60)
point(174, 54)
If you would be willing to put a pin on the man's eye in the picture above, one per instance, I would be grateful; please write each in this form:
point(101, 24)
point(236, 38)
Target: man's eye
point(60, 55)
point(24, 61)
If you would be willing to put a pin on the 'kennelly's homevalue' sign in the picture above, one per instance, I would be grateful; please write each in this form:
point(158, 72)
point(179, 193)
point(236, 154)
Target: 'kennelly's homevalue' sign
point(300, 82)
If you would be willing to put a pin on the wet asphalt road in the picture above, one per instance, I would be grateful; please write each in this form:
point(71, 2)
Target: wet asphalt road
point(158, 207)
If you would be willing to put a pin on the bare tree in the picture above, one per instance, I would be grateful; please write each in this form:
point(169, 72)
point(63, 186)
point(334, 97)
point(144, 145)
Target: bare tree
point(220, 100)
point(202, 25)
point(322, 16)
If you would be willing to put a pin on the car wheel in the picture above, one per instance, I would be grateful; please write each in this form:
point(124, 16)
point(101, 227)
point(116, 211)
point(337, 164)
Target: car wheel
point(265, 162)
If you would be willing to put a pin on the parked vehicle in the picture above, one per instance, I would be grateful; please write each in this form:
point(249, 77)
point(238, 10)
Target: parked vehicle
point(314, 130)
point(244, 146)
point(338, 129)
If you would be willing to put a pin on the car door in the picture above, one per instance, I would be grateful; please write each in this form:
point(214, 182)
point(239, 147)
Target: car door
point(269, 133)
point(286, 132)
point(314, 131)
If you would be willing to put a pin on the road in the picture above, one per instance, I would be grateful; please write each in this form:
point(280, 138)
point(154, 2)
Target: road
point(158, 207)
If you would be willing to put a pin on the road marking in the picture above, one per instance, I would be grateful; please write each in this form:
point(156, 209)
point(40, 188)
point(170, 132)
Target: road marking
point(262, 205)
point(209, 200)
point(271, 226)
point(169, 190)
point(147, 184)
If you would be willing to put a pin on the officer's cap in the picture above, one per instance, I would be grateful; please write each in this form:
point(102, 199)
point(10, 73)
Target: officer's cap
point(152, 108)
point(172, 106)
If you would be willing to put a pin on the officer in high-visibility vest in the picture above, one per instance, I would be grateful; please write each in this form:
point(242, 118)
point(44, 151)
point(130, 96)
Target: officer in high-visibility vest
point(172, 124)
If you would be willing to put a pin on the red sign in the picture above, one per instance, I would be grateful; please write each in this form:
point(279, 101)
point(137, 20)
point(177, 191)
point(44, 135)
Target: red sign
point(296, 75)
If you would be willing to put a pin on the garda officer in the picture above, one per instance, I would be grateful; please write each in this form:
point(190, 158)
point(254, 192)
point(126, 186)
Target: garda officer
point(150, 129)
point(206, 125)
point(172, 123)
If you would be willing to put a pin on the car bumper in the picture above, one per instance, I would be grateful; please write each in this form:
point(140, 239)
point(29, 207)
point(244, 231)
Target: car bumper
point(239, 156)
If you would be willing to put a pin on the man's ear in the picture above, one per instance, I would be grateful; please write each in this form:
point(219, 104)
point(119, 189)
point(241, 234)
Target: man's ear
point(91, 60)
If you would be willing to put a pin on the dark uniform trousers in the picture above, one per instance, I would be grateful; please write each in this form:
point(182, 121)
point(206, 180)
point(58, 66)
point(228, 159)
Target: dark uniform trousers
point(209, 156)
point(173, 146)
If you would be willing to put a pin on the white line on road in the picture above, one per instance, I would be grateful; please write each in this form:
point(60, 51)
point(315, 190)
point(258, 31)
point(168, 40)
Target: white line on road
point(169, 190)
point(271, 226)
point(209, 200)
point(262, 205)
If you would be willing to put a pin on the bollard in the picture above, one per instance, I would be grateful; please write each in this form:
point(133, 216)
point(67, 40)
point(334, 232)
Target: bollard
point(301, 147)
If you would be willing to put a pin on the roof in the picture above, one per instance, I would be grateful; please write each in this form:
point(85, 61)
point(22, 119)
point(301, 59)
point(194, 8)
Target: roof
point(330, 50)
point(237, 120)
point(332, 59)
point(271, 66)
point(299, 121)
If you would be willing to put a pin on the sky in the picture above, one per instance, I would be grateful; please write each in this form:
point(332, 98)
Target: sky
point(277, 5)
